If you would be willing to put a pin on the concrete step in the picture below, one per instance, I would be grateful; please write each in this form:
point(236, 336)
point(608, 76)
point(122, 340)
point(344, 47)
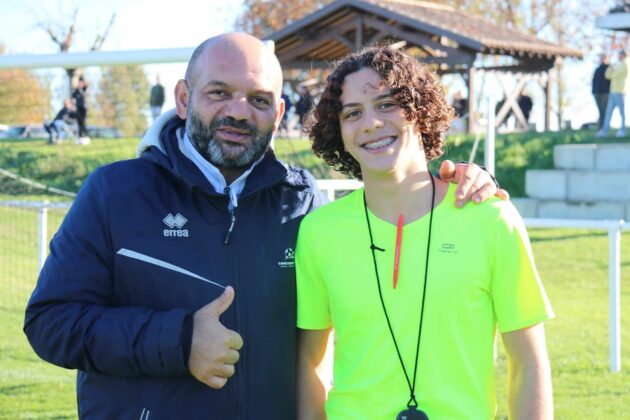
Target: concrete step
point(578, 185)
point(598, 157)
point(591, 181)
point(555, 209)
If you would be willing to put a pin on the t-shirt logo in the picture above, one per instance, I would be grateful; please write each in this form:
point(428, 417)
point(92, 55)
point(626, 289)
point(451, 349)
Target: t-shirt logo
point(448, 248)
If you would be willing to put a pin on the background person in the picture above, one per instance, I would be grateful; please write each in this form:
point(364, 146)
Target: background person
point(80, 101)
point(67, 116)
point(600, 89)
point(288, 105)
point(525, 104)
point(156, 100)
point(618, 76)
point(304, 103)
point(460, 105)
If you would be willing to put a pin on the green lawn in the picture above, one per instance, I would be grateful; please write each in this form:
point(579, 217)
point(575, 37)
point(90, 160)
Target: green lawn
point(574, 267)
point(66, 166)
point(29, 388)
point(572, 263)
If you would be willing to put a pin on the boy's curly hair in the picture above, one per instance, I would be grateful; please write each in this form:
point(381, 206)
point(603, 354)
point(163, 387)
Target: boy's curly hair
point(413, 85)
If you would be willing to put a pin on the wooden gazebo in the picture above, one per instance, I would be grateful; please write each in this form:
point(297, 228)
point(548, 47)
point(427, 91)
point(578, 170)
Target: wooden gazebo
point(617, 19)
point(454, 41)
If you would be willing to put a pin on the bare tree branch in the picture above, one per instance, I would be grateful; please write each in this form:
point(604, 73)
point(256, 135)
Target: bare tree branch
point(65, 43)
point(50, 33)
point(100, 38)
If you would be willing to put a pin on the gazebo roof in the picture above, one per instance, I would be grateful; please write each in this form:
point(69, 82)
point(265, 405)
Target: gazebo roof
point(617, 19)
point(440, 30)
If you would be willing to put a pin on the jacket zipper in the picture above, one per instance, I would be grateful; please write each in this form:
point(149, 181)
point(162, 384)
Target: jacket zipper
point(240, 384)
point(232, 214)
point(231, 228)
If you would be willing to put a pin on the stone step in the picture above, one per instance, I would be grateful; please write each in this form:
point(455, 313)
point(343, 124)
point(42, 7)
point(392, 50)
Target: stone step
point(588, 186)
point(555, 209)
point(598, 157)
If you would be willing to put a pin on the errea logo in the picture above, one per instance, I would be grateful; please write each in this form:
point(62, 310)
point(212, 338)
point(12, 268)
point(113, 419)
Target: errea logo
point(289, 259)
point(175, 223)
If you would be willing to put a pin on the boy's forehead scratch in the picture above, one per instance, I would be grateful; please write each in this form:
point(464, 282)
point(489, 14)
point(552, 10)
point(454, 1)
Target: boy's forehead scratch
point(370, 88)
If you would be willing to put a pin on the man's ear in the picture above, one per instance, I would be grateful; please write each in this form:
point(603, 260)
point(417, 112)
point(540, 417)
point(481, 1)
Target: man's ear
point(279, 113)
point(181, 99)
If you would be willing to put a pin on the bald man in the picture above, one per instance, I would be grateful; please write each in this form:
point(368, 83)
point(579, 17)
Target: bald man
point(170, 285)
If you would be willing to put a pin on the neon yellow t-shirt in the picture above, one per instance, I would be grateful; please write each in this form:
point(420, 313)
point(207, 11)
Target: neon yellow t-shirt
point(481, 273)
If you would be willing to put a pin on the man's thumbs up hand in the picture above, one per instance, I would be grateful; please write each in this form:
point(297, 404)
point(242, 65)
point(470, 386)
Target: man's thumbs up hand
point(214, 349)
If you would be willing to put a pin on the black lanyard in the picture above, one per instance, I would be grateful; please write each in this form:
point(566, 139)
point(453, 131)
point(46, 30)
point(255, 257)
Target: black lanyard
point(412, 403)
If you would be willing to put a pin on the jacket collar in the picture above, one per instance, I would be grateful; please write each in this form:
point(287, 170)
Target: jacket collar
point(212, 173)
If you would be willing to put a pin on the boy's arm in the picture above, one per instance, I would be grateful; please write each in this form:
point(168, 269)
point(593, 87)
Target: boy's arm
point(529, 374)
point(311, 394)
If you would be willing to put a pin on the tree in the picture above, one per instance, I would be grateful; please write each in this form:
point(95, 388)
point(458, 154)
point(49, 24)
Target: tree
point(123, 99)
point(24, 98)
point(566, 22)
point(62, 34)
point(263, 17)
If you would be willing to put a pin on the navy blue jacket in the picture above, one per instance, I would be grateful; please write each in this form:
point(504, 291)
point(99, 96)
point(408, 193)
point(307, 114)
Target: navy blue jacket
point(103, 306)
point(600, 83)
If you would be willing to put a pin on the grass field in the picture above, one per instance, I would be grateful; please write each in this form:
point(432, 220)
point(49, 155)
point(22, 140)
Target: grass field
point(572, 263)
point(29, 388)
point(65, 166)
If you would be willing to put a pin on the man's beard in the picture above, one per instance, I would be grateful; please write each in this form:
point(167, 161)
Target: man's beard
point(214, 151)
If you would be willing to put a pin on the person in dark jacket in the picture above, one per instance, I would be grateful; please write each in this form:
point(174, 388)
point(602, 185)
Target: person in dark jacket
point(156, 99)
point(81, 105)
point(170, 285)
point(288, 104)
point(304, 103)
point(525, 104)
point(601, 89)
point(67, 116)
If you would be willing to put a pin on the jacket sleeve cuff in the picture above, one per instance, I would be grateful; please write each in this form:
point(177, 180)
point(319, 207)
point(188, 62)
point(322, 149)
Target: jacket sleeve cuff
point(164, 352)
point(185, 339)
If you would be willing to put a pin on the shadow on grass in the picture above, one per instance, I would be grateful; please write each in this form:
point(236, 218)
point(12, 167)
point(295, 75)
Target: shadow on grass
point(17, 389)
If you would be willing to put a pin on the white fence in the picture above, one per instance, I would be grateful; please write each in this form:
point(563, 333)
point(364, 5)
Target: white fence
point(331, 186)
point(614, 228)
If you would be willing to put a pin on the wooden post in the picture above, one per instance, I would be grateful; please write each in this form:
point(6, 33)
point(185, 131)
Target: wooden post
point(359, 37)
point(547, 88)
point(472, 120)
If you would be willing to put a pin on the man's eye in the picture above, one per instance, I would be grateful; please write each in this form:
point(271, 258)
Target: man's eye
point(218, 94)
point(261, 101)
